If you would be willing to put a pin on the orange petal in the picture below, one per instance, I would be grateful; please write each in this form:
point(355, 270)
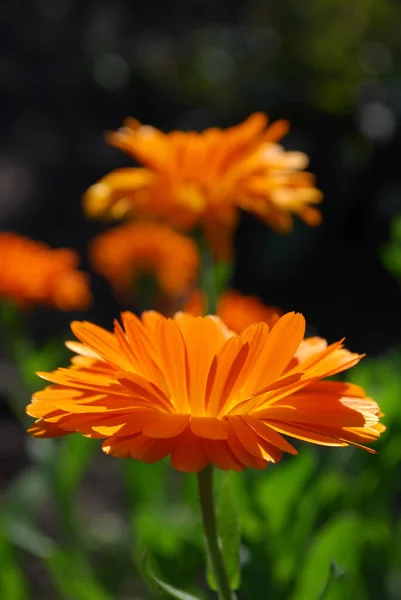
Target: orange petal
point(364, 434)
point(119, 447)
point(243, 455)
point(253, 443)
point(282, 343)
point(256, 335)
point(139, 339)
point(305, 410)
point(220, 454)
point(125, 424)
point(42, 429)
point(146, 390)
point(209, 428)
point(82, 350)
point(330, 361)
point(340, 388)
point(174, 362)
point(84, 423)
point(101, 342)
point(125, 347)
point(203, 341)
point(165, 425)
point(189, 455)
point(306, 434)
point(150, 318)
point(150, 450)
point(276, 131)
point(84, 380)
point(309, 349)
point(230, 362)
point(269, 434)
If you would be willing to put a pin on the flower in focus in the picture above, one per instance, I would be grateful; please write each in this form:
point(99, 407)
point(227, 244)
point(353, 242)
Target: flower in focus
point(33, 273)
point(191, 178)
point(236, 310)
point(130, 250)
point(190, 388)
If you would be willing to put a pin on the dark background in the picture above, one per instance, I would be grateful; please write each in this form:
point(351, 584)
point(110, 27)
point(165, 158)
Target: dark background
point(70, 70)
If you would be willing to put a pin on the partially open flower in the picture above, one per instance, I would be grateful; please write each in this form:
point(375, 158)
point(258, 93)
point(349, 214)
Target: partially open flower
point(238, 311)
point(124, 253)
point(32, 273)
point(191, 179)
point(190, 388)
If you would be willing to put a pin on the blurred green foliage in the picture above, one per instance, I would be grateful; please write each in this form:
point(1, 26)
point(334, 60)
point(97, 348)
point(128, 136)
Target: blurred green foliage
point(325, 524)
point(391, 251)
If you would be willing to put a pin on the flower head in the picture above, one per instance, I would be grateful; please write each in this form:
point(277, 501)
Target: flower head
point(125, 252)
point(33, 273)
point(190, 388)
point(191, 178)
point(236, 310)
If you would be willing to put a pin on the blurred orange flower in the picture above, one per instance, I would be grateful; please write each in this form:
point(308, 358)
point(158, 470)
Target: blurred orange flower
point(33, 273)
point(193, 178)
point(190, 388)
point(236, 310)
point(125, 252)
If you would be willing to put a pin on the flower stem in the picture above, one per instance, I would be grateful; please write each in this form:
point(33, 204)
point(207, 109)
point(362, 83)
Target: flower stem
point(206, 497)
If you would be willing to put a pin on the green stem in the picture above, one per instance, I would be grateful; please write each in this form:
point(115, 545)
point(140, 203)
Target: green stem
point(206, 497)
point(208, 281)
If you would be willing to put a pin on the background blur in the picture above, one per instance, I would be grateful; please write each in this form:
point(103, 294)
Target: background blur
point(71, 70)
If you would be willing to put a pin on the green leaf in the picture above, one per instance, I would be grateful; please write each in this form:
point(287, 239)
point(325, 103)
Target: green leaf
point(150, 509)
point(12, 581)
point(73, 456)
point(26, 493)
point(172, 591)
point(228, 525)
point(27, 536)
point(279, 491)
point(73, 576)
point(65, 471)
point(334, 574)
point(340, 541)
point(47, 358)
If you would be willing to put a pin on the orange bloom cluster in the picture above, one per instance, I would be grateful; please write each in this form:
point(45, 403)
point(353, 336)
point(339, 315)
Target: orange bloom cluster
point(191, 178)
point(235, 310)
point(33, 273)
point(190, 388)
point(125, 252)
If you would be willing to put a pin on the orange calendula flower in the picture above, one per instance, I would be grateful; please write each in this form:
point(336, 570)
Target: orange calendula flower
point(236, 310)
point(33, 273)
point(125, 252)
point(191, 178)
point(190, 388)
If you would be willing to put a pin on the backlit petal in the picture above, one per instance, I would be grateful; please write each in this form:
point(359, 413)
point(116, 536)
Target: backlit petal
point(282, 342)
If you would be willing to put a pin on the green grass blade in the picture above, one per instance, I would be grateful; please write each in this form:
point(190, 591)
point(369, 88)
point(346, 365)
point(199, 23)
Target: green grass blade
point(170, 590)
point(334, 574)
point(12, 581)
point(338, 541)
point(73, 576)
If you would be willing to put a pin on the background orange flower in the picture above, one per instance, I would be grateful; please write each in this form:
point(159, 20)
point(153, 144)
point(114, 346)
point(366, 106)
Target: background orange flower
point(190, 178)
point(191, 389)
point(236, 310)
point(133, 249)
point(33, 273)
